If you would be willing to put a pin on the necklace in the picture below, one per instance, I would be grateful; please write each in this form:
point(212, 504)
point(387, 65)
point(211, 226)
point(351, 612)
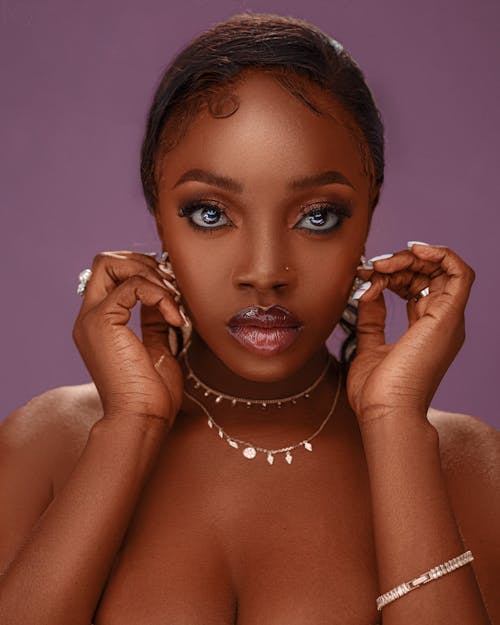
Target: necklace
point(219, 396)
point(250, 450)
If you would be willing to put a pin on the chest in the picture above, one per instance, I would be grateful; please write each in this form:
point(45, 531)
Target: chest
point(228, 542)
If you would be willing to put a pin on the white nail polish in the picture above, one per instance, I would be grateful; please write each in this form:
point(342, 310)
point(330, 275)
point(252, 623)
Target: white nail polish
point(166, 270)
point(170, 286)
point(380, 257)
point(362, 289)
point(366, 264)
point(411, 243)
point(184, 317)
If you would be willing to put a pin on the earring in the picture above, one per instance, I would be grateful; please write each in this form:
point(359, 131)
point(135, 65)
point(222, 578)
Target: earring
point(179, 339)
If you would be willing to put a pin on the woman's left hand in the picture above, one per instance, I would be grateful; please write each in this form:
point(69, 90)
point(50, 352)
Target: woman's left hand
point(390, 379)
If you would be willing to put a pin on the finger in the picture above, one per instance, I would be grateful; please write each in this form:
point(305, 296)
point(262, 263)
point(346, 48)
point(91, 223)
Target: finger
point(460, 276)
point(405, 260)
point(155, 331)
point(115, 308)
point(109, 270)
point(405, 283)
point(371, 323)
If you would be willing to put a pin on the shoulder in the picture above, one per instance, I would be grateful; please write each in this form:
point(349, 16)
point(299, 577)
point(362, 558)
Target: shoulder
point(466, 443)
point(470, 459)
point(56, 410)
point(52, 428)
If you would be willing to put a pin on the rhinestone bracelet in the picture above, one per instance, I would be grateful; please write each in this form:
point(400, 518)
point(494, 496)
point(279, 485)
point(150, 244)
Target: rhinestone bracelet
point(434, 573)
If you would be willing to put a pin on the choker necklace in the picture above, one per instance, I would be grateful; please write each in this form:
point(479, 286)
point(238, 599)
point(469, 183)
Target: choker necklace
point(250, 450)
point(252, 402)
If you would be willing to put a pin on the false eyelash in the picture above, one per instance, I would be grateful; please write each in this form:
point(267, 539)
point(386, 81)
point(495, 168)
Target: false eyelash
point(342, 210)
point(188, 209)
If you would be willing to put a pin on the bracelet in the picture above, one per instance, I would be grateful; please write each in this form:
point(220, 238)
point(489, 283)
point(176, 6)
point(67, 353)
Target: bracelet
point(434, 573)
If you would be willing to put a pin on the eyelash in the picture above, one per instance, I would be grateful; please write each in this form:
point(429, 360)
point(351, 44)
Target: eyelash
point(341, 210)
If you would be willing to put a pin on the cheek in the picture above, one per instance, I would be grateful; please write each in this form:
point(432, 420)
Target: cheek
point(203, 281)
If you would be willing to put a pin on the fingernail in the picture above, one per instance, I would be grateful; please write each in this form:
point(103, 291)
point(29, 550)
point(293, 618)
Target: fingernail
point(170, 286)
point(410, 244)
point(166, 270)
point(380, 257)
point(184, 317)
point(366, 264)
point(362, 289)
point(150, 253)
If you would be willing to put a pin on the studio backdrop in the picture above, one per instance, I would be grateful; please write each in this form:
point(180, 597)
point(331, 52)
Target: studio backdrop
point(76, 82)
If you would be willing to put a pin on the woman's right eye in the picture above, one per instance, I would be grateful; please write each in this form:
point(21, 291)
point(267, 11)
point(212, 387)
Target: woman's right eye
point(204, 216)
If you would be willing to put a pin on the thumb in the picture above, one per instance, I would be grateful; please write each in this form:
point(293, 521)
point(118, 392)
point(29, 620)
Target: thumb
point(371, 323)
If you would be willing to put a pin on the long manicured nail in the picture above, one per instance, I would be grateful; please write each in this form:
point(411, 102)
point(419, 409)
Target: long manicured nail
point(362, 289)
point(380, 257)
point(368, 264)
point(184, 316)
point(170, 286)
point(166, 270)
point(410, 244)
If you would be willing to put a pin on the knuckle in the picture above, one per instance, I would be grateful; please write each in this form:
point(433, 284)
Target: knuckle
point(98, 260)
point(135, 281)
point(471, 274)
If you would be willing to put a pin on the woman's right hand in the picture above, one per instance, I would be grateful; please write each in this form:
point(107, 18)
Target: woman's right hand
point(133, 378)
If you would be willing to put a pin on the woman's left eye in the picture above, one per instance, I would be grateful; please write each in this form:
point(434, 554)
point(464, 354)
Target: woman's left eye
point(324, 218)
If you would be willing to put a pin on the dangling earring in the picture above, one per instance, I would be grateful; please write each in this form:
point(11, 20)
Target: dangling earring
point(179, 339)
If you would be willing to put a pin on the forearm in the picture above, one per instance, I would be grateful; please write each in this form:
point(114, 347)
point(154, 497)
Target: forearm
point(59, 574)
point(414, 524)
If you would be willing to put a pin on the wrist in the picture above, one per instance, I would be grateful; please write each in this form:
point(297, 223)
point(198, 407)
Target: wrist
point(134, 425)
point(397, 427)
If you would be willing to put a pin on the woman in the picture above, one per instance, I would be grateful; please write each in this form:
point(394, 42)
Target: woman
point(228, 469)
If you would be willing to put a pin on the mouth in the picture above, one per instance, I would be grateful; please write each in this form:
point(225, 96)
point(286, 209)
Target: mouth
point(265, 330)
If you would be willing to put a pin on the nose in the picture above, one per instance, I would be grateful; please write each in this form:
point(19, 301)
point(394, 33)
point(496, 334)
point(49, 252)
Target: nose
point(263, 262)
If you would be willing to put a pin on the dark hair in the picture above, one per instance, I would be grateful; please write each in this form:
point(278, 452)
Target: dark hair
point(296, 54)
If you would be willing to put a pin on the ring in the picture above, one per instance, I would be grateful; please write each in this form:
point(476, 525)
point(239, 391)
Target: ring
point(422, 293)
point(83, 279)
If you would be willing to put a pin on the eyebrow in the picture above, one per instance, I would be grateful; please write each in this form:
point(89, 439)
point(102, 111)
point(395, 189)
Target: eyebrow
point(200, 175)
point(229, 184)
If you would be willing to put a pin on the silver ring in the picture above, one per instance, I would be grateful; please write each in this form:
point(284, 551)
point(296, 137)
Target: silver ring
point(83, 278)
point(422, 293)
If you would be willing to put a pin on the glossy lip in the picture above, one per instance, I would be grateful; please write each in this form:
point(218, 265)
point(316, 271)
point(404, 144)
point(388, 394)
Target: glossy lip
point(265, 330)
point(265, 317)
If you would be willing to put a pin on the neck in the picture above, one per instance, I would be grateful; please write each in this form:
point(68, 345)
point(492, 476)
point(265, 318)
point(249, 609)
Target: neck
point(216, 375)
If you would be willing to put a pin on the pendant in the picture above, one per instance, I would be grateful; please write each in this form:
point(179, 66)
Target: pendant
point(249, 452)
point(289, 457)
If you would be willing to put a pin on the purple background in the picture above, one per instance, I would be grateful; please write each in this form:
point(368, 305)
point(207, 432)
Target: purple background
point(76, 82)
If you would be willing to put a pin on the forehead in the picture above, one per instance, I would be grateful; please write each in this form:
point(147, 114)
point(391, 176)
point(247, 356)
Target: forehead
point(257, 130)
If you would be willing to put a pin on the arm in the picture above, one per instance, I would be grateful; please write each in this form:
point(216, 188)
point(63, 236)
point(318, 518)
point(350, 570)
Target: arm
point(58, 575)
point(416, 529)
point(62, 567)
point(390, 389)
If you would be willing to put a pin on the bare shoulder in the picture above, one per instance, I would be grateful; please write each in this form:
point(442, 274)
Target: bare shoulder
point(74, 408)
point(466, 443)
point(470, 459)
point(53, 427)
point(40, 443)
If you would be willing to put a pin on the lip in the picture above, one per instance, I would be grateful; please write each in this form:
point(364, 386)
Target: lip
point(265, 330)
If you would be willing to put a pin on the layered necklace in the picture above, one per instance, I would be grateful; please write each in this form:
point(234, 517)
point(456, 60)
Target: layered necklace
point(249, 450)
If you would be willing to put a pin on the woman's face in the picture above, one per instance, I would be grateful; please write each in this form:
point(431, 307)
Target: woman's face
point(266, 220)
